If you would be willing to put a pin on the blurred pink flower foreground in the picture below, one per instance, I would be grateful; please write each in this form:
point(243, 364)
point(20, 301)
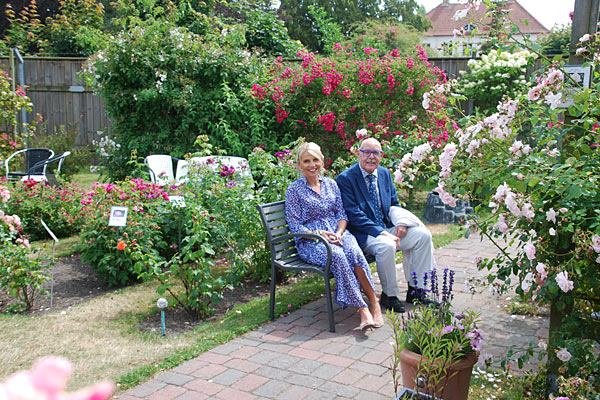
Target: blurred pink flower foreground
point(47, 380)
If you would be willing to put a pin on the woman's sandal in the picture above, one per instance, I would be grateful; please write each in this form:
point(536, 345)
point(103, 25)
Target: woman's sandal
point(377, 322)
point(368, 323)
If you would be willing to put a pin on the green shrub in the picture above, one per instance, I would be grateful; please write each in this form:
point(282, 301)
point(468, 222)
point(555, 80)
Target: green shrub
point(494, 76)
point(141, 237)
point(21, 276)
point(59, 207)
point(193, 270)
point(383, 36)
point(161, 97)
point(267, 32)
point(77, 29)
point(10, 103)
point(228, 196)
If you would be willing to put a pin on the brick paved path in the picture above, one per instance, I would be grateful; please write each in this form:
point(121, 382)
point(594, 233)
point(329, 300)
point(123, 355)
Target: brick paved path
point(296, 357)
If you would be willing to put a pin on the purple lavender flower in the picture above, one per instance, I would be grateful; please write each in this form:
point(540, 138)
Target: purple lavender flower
point(414, 279)
point(445, 286)
point(434, 286)
point(450, 285)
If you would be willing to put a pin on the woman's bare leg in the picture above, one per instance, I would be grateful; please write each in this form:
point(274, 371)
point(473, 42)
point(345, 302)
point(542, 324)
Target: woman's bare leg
point(374, 306)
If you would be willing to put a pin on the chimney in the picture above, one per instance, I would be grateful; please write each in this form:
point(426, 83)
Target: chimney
point(445, 2)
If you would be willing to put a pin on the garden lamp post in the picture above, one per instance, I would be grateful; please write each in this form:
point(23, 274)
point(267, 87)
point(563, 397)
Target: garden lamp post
point(162, 303)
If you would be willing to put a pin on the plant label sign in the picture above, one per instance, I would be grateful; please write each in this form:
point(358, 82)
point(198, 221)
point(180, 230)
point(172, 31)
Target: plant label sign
point(118, 216)
point(177, 201)
point(52, 235)
point(580, 74)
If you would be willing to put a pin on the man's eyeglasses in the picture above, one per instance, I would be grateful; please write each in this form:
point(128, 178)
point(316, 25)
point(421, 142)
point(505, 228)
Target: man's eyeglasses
point(369, 153)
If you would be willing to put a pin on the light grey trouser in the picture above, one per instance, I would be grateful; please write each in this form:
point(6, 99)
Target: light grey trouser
point(417, 249)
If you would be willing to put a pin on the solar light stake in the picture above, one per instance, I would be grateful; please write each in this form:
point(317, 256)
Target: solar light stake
point(162, 303)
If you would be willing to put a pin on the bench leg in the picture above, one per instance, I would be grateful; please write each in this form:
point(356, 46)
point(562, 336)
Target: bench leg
point(272, 300)
point(329, 305)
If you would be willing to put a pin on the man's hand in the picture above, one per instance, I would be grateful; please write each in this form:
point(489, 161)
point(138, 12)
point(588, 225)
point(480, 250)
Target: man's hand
point(394, 238)
point(400, 231)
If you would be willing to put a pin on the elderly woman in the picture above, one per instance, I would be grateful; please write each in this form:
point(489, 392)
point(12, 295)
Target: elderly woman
point(314, 205)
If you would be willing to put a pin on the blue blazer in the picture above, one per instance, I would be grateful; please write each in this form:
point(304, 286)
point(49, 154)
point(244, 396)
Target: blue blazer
point(358, 204)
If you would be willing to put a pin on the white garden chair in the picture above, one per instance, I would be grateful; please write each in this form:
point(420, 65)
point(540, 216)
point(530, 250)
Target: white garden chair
point(161, 168)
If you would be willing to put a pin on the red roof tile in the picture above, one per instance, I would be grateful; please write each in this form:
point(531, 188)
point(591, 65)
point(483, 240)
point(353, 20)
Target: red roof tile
point(443, 23)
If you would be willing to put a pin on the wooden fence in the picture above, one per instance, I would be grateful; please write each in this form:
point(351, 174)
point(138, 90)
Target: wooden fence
point(63, 100)
point(60, 97)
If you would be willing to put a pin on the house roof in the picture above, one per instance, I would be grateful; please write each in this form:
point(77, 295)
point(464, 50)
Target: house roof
point(443, 22)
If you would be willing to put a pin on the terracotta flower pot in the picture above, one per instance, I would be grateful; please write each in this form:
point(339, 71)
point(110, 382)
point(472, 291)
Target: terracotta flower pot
point(456, 388)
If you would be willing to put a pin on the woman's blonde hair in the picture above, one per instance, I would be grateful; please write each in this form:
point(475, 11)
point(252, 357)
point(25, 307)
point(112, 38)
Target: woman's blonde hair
point(311, 148)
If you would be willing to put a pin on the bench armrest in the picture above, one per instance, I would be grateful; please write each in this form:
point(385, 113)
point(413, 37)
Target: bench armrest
point(309, 236)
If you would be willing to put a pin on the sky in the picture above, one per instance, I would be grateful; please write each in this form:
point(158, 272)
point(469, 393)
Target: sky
point(548, 12)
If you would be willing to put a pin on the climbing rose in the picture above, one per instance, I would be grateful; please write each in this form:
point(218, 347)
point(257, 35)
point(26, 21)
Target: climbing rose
point(121, 245)
point(541, 269)
point(596, 243)
point(530, 251)
point(551, 215)
point(563, 355)
point(526, 284)
point(563, 281)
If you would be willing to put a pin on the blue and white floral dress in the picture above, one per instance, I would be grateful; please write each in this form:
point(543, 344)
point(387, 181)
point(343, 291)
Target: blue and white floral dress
point(308, 211)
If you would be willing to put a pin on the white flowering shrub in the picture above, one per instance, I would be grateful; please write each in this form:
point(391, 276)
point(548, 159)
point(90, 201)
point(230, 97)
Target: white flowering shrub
point(161, 97)
point(493, 76)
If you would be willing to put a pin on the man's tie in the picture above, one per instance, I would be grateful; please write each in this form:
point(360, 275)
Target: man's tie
point(375, 200)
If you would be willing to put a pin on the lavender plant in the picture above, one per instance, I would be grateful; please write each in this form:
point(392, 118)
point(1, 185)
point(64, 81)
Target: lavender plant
point(436, 333)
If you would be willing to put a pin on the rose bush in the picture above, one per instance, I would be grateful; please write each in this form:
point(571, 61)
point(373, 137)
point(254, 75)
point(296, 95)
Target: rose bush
point(21, 275)
point(535, 174)
point(327, 99)
point(120, 259)
point(10, 103)
point(59, 207)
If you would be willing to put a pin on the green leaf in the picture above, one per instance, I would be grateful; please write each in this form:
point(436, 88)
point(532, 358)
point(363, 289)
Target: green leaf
point(162, 288)
point(533, 181)
point(575, 191)
point(553, 288)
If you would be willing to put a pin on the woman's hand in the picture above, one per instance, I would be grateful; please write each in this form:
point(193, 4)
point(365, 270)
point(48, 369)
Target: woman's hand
point(331, 237)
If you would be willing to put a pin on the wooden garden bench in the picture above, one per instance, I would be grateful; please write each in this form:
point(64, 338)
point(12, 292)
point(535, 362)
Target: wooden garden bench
point(284, 254)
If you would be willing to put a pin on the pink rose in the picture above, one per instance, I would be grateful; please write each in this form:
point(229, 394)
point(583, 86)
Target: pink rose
point(530, 251)
point(541, 269)
point(47, 380)
point(551, 215)
point(563, 355)
point(563, 281)
point(596, 243)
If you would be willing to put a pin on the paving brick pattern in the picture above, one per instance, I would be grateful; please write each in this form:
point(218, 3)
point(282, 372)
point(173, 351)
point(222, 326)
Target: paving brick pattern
point(296, 357)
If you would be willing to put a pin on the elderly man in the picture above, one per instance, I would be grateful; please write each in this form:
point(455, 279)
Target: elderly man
point(382, 227)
